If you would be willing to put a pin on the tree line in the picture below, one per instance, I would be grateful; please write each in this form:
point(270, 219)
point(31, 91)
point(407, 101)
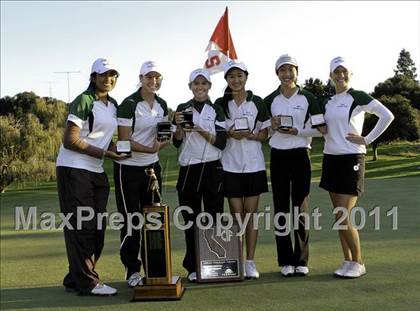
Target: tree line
point(32, 127)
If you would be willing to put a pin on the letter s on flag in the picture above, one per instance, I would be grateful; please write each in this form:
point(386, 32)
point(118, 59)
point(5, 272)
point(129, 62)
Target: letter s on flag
point(212, 61)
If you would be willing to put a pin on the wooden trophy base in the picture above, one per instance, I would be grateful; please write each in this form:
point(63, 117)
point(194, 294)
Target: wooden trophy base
point(173, 291)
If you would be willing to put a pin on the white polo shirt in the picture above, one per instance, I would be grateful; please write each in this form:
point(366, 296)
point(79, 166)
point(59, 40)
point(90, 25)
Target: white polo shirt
point(143, 119)
point(98, 122)
point(245, 156)
point(194, 148)
point(300, 106)
point(345, 113)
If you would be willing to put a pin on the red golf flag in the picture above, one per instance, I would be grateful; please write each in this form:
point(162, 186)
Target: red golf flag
point(220, 49)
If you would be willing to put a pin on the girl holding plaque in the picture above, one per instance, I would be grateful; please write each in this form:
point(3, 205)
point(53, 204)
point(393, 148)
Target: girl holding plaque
point(295, 114)
point(245, 178)
point(81, 180)
point(138, 118)
point(201, 142)
point(343, 164)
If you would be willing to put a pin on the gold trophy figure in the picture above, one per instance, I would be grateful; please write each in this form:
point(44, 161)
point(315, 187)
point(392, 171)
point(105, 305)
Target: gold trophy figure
point(153, 186)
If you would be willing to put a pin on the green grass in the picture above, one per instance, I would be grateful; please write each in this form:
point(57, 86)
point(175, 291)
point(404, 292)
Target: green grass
point(33, 263)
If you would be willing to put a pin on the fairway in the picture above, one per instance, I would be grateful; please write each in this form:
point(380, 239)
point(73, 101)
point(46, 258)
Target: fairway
point(33, 263)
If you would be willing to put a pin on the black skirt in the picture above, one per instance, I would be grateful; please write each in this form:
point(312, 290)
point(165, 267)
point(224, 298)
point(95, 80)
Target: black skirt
point(343, 174)
point(240, 185)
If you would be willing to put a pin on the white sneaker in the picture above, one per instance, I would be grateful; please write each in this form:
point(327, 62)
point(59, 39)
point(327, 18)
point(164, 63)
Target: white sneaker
point(251, 270)
point(288, 271)
point(344, 266)
point(135, 280)
point(103, 290)
point(301, 270)
point(355, 270)
point(192, 277)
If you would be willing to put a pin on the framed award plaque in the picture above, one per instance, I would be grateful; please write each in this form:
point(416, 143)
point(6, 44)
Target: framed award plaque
point(286, 122)
point(219, 258)
point(241, 124)
point(124, 147)
point(317, 120)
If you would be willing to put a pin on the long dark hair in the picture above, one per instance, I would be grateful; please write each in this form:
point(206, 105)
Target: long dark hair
point(227, 97)
point(92, 84)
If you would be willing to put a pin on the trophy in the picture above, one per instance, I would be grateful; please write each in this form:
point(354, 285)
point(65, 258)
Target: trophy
point(219, 256)
point(317, 120)
point(164, 131)
point(124, 147)
point(241, 124)
point(158, 284)
point(187, 121)
point(285, 122)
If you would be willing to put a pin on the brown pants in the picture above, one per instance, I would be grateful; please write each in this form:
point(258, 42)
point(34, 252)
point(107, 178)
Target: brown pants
point(82, 188)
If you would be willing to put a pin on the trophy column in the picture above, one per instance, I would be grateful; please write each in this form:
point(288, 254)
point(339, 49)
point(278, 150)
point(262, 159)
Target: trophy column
point(158, 284)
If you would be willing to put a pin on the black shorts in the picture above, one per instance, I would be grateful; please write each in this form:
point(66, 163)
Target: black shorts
point(240, 185)
point(343, 173)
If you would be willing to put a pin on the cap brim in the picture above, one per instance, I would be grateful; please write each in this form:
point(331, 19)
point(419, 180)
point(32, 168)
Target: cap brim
point(200, 75)
point(149, 71)
point(106, 70)
point(345, 65)
point(286, 63)
point(235, 66)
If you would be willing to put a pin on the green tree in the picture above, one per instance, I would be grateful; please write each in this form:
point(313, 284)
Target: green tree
point(31, 133)
point(319, 89)
point(403, 83)
point(406, 125)
point(405, 65)
point(400, 85)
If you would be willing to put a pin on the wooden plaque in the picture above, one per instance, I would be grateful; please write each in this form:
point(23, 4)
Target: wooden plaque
point(158, 284)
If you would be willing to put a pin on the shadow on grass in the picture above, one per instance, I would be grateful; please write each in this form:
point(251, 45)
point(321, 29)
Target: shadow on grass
point(265, 278)
point(56, 297)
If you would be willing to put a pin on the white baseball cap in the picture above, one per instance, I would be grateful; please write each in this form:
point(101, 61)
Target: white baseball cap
point(149, 66)
point(200, 72)
point(339, 61)
point(285, 59)
point(102, 65)
point(234, 64)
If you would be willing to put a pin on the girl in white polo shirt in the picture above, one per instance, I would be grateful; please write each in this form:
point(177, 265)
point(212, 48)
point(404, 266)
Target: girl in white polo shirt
point(243, 162)
point(200, 174)
point(138, 116)
point(290, 165)
point(343, 164)
point(81, 179)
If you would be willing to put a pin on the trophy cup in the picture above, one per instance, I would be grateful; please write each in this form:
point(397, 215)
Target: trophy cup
point(219, 257)
point(124, 147)
point(164, 131)
point(241, 124)
point(158, 284)
point(286, 122)
point(317, 120)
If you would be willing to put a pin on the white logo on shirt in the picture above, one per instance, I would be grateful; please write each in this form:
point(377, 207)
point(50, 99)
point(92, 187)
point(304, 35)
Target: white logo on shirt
point(356, 167)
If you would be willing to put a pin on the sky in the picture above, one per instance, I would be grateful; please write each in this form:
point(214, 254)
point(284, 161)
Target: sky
point(39, 38)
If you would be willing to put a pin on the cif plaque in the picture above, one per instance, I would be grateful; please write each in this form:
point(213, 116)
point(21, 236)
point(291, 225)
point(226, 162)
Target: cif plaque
point(219, 256)
point(159, 283)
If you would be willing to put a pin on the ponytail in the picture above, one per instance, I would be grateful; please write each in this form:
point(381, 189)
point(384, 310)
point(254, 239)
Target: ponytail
point(227, 97)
